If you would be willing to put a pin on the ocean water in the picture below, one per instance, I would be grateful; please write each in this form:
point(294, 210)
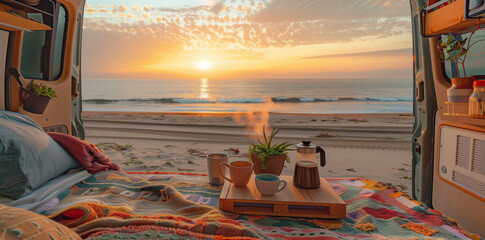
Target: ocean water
point(274, 95)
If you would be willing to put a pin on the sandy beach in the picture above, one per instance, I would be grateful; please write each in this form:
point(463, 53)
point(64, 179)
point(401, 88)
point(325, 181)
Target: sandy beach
point(374, 146)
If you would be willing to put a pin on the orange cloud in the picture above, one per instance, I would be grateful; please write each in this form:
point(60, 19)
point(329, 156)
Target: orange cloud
point(122, 8)
point(278, 34)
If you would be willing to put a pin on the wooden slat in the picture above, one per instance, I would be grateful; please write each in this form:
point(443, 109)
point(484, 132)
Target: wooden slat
point(325, 194)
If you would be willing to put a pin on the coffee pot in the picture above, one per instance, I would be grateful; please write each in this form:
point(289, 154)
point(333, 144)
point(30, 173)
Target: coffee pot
point(308, 157)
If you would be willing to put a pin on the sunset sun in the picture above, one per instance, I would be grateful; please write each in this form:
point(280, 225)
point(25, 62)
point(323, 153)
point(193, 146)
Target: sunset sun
point(204, 65)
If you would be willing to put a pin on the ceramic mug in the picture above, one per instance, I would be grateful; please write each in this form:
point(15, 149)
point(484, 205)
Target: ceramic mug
point(240, 172)
point(215, 173)
point(269, 184)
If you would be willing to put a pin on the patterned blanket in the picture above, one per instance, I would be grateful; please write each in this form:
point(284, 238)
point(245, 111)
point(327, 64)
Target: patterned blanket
point(156, 206)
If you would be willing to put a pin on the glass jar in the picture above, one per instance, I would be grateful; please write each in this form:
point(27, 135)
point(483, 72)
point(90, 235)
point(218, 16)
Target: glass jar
point(476, 102)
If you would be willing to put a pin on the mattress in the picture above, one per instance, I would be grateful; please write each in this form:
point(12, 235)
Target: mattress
point(46, 195)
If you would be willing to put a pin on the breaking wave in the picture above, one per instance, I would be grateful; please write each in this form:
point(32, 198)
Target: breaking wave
point(244, 100)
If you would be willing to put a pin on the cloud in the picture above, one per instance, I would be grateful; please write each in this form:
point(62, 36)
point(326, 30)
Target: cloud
point(184, 10)
point(236, 29)
point(308, 10)
point(218, 7)
point(122, 8)
point(89, 9)
point(209, 32)
point(381, 53)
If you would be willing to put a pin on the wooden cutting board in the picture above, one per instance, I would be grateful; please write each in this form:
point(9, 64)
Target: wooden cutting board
point(322, 202)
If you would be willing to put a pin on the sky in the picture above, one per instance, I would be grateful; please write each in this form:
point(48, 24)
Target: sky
point(247, 39)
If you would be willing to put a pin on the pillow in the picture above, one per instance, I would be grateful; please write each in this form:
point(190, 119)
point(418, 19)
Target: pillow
point(16, 223)
point(28, 156)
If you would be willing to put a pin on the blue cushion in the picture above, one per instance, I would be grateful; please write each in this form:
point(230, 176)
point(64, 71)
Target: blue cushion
point(28, 156)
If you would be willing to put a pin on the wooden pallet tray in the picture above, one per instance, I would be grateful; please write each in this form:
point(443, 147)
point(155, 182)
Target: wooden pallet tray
point(322, 202)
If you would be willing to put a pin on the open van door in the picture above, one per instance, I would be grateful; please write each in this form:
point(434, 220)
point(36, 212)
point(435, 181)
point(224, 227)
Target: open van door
point(448, 141)
point(76, 91)
point(49, 55)
point(424, 109)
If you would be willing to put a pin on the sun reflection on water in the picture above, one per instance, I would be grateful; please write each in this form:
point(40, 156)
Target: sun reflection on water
point(204, 85)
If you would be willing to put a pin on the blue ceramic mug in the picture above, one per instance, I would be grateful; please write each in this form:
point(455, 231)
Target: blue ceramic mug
point(269, 184)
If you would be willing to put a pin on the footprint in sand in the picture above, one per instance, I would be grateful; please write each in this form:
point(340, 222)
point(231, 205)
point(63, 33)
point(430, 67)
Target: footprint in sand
point(151, 157)
point(141, 168)
point(168, 164)
point(130, 155)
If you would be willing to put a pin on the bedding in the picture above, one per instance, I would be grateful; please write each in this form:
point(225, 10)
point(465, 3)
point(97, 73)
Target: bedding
point(16, 223)
point(46, 195)
point(28, 156)
point(151, 206)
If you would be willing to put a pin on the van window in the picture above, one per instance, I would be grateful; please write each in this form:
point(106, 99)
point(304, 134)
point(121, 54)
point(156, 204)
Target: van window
point(475, 59)
point(31, 65)
point(34, 49)
point(3, 60)
point(59, 43)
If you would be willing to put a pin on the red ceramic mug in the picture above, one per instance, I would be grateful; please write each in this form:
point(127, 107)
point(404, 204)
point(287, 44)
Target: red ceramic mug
point(240, 172)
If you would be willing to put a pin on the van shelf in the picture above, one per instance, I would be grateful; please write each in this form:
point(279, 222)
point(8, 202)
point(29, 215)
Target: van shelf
point(456, 109)
point(447, 16)
point(14, 20)
point(27, 8)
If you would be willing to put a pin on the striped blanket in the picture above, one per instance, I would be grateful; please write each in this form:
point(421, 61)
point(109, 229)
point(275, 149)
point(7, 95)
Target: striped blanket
point(157, 206)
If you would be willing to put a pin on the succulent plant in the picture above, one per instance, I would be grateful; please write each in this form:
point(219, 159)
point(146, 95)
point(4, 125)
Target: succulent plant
point(41, 90)
point(264, 150)
point(456, 50)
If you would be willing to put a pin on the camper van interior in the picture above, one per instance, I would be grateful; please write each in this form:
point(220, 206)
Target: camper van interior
point(56, 185)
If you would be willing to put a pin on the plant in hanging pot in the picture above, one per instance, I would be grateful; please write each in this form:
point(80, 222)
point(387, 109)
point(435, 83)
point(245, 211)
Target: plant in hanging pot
point(268, 158)
point(35, 96)
point(454, 50)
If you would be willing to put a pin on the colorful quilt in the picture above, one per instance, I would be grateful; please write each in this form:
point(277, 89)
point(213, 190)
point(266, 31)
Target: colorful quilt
point(157, 206)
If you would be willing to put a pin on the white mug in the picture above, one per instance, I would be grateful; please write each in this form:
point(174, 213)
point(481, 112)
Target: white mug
point(269, 184)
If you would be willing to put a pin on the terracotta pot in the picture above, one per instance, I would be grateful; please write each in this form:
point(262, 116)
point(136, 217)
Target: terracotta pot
point(34, 103)
point(275, 164)
point(462, 83)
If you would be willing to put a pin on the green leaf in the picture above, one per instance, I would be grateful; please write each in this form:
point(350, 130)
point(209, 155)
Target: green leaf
point(452, 46)
point(450, 39)
point(266, 149)
point(442, 56)
point(264, 134)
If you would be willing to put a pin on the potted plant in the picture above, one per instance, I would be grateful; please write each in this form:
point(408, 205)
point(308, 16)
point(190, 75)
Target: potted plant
point(454, 50)
point(36, 97)
point(268, 158)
